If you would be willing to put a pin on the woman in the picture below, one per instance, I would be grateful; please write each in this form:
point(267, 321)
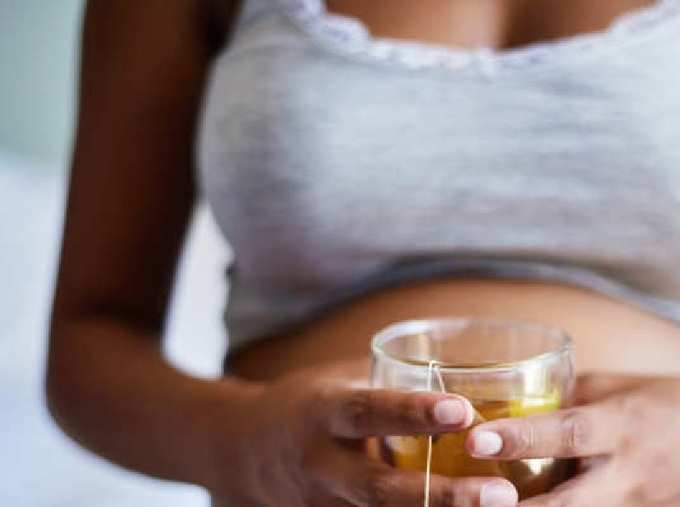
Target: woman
point(369, 163)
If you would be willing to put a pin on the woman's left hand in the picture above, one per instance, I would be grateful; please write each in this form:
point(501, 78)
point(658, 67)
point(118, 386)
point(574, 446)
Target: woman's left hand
point(625, 430)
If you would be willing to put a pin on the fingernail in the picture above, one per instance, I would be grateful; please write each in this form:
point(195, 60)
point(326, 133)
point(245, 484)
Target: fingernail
point(498, 495)
point(450, 412)
point(486, 443)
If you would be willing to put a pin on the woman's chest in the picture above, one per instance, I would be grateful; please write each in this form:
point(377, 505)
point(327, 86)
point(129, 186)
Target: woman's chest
point(333, 164)
point(484, 23)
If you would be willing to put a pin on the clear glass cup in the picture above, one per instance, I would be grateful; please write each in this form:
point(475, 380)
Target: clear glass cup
point(506, 369)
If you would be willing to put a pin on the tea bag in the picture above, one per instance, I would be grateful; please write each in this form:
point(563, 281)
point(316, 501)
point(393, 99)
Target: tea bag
point(446, 454)
point(428, 472)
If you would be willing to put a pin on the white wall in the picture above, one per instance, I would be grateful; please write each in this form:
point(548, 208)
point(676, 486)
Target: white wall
point(39, 467)
point(37, 61)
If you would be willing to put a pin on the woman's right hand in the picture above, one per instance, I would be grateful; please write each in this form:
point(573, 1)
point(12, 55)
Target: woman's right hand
point(305, 447)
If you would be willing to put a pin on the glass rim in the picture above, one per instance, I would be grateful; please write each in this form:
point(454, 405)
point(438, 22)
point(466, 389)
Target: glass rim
point(414, 326)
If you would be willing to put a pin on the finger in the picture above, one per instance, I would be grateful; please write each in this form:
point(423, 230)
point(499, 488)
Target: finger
point(366, 483)
point(406, 489)
point(598, 487)
point(585, 431)
point(351, 372)
point(594, 387)
point(359, 413)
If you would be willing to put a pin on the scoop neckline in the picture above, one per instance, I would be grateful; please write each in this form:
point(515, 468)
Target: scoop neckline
point(351, 37)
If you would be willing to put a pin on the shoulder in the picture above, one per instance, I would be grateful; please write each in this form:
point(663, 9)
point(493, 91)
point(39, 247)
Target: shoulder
point(209, 20)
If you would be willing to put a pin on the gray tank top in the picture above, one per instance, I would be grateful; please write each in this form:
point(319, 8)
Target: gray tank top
point(337, 163)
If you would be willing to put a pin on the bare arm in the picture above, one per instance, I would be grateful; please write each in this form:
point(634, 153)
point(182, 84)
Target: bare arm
point(131, 197)
point(291, 443)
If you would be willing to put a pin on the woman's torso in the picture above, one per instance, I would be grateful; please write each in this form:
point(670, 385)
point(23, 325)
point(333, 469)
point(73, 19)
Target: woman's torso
point(337, 170)
point(608, 335)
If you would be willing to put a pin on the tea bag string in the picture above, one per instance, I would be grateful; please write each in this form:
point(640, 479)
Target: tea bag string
point(432, 369)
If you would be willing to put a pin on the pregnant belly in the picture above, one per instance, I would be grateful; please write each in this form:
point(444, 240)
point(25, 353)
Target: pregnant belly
point(609, 335)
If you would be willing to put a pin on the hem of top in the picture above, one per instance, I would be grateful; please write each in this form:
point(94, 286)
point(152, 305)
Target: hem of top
point(511, 270)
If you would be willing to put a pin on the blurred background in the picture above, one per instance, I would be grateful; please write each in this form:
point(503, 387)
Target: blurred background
point(38, 466)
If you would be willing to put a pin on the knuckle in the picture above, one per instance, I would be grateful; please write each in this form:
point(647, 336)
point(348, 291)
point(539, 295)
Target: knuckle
point(317, 403)
point(575, 431)
point(357, 410)
point(523, 441)
point(633, 407)
point(634, 410)
point(410, 411)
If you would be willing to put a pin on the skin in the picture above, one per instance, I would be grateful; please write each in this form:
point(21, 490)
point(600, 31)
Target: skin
point(296, 438)
point(622, 431)
point(475, 23)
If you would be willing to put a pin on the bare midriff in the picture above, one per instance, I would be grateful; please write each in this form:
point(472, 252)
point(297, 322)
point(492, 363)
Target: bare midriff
point(608, 335)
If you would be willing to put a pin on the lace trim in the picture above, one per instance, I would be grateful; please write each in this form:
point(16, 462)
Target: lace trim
point(350, 36)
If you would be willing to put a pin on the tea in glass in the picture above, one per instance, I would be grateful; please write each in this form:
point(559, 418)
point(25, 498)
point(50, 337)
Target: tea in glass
point(504, 369)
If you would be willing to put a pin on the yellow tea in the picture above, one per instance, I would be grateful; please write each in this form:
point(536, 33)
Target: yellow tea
point(450, 458)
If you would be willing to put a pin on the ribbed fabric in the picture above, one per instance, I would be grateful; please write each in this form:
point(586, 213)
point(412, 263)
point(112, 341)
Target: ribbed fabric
point(338, 164)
